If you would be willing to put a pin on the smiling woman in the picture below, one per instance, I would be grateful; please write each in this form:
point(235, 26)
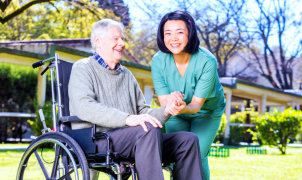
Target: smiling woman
point(184, 73)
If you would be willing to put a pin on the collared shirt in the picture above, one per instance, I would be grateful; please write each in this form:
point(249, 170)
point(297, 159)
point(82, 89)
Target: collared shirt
point(103, 63)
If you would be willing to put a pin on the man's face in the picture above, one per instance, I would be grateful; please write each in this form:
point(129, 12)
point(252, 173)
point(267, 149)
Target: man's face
point(111, 45)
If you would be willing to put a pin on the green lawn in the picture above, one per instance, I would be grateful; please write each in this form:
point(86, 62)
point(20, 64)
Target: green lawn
point(241, 165)
point(238, 166)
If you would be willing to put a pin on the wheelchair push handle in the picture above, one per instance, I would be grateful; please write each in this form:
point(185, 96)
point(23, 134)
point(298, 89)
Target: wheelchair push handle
point(37, 64)
point(40, 63)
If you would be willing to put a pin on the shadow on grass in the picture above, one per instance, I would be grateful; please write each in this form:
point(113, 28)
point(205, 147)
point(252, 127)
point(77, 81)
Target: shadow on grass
point(13, 150)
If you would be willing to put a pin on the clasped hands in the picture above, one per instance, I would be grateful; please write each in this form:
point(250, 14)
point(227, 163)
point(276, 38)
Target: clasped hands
point(175, 106)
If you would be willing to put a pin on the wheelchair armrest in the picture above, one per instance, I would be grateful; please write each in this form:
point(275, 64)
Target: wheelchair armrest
point(72, 119)
point(103, 135)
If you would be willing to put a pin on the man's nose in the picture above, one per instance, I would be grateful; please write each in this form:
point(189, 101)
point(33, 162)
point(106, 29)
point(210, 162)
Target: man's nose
point(121, 42)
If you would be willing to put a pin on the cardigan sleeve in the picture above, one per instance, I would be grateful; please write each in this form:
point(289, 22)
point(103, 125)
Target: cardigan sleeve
point(144, 108)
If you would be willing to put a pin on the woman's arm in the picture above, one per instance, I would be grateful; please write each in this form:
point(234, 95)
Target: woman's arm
point(180, 106)
point(176, 97)
point(194, 106)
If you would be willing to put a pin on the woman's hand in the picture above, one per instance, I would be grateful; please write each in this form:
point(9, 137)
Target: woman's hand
point(172, 97)
point(176, 97)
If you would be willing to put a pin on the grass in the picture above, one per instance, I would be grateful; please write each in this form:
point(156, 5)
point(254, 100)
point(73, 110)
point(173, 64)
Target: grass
point(239, 165)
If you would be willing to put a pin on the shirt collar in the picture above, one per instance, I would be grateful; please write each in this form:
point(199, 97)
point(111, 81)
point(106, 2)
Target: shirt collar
point(103, 63)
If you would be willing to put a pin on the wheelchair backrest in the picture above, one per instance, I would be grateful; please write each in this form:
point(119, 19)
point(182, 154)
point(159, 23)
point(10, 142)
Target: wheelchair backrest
point(64, 69)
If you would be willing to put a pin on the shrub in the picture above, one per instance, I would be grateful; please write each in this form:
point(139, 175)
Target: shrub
point(238, 134)
point(18, 87)
point(220, 134)
point(275, 128)
point(36, 124)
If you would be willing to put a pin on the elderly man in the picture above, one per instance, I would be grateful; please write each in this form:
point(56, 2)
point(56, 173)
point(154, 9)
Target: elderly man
point(105, 93)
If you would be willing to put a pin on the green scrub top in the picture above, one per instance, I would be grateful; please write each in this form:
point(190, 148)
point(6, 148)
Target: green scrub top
point(200, 79)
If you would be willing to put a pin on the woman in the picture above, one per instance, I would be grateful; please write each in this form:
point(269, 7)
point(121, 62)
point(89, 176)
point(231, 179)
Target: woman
point(185, 73)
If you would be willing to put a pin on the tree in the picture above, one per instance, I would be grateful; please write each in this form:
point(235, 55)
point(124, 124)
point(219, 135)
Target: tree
point(54, 21)
point(144, 44)
point(218, 26)
point(10, 10)
point(118, 8)
point(276, 20)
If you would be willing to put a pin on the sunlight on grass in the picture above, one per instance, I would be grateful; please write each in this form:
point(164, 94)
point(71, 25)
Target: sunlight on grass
point(241, 165)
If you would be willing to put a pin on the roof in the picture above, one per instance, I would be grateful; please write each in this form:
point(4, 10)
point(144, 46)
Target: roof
point(82, 44)
point(42, 49)
point(248, 89)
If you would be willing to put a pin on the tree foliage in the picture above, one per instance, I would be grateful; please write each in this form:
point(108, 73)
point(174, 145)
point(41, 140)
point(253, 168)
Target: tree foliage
point(54, 21)
point(10, 10)
point(275, 128)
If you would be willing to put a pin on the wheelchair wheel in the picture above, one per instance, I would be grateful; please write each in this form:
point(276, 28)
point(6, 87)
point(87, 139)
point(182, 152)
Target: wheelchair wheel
point(53, 155)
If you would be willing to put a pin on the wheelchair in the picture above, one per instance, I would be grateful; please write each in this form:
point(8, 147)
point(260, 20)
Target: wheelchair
point(63, 153)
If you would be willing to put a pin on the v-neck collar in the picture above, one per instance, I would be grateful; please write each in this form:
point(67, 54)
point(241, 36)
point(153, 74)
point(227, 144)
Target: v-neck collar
point(175, 68)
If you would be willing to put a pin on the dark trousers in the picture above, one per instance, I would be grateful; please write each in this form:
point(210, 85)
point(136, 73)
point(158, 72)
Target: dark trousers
point(150, 149)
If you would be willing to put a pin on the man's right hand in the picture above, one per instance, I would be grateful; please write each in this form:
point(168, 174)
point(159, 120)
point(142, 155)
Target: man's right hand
point(140, 120)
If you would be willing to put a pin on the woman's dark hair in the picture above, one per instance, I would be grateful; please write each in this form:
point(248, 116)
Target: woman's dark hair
point(193, 41)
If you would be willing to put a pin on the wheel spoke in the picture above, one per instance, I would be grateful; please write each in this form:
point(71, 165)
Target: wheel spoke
point(42, 165)
point(67, 174)
point(56, 162)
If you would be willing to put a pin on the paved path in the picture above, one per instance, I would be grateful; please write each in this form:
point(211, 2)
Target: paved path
point(12, 147)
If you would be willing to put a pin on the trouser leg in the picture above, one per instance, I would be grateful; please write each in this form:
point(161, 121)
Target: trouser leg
point(183, 149)
point(206, 130)
point(143, 147)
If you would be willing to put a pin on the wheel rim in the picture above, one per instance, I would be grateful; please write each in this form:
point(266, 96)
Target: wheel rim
point(32, 154)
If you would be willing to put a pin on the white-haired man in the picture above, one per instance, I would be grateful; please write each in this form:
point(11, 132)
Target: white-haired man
point(105, 93)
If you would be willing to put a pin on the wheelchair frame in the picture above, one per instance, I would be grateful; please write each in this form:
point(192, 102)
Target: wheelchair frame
point(65, 142)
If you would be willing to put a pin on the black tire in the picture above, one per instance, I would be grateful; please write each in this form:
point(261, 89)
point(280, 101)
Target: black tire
point(63, 152)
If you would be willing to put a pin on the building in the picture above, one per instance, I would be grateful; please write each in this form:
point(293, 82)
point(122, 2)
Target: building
point(236, 91)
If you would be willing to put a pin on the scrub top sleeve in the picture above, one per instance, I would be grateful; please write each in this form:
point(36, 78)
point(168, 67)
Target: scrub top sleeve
point(205, 86)
point(158, 78)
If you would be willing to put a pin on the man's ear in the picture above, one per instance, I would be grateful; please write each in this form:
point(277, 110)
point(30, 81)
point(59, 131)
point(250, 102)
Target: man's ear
point(97, 40)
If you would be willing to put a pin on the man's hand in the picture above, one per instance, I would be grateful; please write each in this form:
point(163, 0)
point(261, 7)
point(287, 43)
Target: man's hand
point(139, 120)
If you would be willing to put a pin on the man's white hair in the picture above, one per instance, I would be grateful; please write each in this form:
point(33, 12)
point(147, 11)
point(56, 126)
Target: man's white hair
point(101, 27)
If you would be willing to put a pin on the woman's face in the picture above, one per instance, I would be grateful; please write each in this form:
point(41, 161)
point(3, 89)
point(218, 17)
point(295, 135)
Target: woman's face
point(176, 35)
